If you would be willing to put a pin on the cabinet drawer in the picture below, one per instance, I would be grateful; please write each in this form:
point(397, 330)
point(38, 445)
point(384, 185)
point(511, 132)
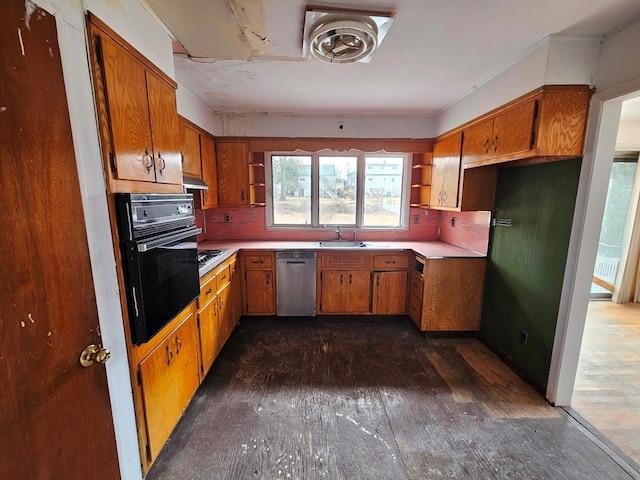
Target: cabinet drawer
point(415, 311)
point(208, 290)
point(390, 262)
point(258, 262)
point(223, 277)
point(416, 285)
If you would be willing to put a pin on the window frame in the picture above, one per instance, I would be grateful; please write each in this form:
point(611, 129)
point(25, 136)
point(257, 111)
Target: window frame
point(361, 173)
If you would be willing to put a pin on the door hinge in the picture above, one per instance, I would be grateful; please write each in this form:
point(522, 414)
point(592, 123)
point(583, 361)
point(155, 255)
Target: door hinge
point(112, 161)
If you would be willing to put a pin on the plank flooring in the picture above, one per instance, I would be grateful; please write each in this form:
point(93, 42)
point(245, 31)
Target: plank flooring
point(370, 398)
point(607, 389)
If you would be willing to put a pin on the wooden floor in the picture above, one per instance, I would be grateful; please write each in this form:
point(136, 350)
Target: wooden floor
point(607, 390)
point(370, 399)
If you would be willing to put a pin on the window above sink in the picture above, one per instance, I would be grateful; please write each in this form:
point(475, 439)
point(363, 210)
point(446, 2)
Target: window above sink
point(330, 189)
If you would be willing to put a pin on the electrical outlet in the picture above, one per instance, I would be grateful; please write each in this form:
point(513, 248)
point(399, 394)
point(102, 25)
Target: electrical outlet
point(524, 337)
point(227, 218)
point(416, 219)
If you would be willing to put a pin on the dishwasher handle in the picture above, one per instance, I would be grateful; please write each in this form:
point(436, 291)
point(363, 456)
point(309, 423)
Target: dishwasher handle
point(303, 262)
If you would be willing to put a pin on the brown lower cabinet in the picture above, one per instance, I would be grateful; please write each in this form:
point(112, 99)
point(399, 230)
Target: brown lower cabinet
point(447, 294)
point(389, 293)
point(345, 291)
point(168, 378)
point(259, 291)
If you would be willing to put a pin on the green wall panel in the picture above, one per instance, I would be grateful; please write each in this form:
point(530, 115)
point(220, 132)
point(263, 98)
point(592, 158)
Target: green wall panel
point(526, 263)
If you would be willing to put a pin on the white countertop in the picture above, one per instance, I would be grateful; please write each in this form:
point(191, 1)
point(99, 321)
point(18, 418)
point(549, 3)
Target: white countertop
point(431, 249)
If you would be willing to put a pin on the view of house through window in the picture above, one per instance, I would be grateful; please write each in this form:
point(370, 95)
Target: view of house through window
point(357, 190)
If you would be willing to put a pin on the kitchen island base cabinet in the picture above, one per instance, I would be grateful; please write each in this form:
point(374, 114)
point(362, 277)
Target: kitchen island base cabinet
point(168, 377)
point(447, 296)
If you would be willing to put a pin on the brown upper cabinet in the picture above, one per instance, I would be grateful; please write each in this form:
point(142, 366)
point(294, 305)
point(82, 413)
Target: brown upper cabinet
point(445, 172)
point(547, 124)
point(199, 160)
point(190, 149)
point(232, 158)
point(137, 114)
point(508, 133)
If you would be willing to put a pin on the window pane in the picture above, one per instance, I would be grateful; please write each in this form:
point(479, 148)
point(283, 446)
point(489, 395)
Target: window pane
point(383, 191)
point(291, 184)
point(337, 202)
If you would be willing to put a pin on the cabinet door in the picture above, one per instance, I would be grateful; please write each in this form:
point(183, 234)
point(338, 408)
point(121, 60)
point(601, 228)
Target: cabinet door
point(233, 173)
point(358, 292)
point(225, 314)
point(477, 142)
point(446, 172)
point(128, 111)
point(512, 130)
point(209, 332)
point(169, 378)
point(259, 294)
point(209, 171)
point(164, 130)
point(190, 141)
point(332, 291)
point(389, 292)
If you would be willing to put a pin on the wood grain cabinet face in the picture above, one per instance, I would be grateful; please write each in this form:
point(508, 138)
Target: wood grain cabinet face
point(169, 378)
point(190, 141)
point(233, 173)
point(209, 171)
point(389, 293)
point(345, 291)
point(259, 291)
point(508, 133)
point(445, 173)
point(209, 324)
point(140, 109)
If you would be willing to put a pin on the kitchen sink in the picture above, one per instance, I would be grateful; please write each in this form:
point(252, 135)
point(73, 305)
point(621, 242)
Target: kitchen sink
point(341, 244)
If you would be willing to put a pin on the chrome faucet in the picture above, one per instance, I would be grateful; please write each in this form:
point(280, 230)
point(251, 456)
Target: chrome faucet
point(339, 232)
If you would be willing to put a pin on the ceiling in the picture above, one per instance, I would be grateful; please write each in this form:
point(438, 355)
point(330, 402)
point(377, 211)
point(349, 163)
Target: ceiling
point(245, 56)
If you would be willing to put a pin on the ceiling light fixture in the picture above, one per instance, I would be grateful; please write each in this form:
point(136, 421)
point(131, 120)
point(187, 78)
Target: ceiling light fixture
point(339, 37)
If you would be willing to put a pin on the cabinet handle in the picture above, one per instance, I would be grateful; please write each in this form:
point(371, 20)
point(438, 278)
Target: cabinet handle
point(341, 279)
point(268, 278)
point(495, 144)
point(485, 146)
point(221, 304)
point(169, 354)
point(242, 195)
point(259, 262)
point(162, 165)
point(377, 280)
point(147, 158)
point(350, 279)
point(178, 345)
point(208, 291)
point(391, 261)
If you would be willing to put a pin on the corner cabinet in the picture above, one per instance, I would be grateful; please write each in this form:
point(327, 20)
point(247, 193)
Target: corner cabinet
point(137, 115)
point(447, 294)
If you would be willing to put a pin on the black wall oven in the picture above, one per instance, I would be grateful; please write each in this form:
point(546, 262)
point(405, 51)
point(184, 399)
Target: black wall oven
point(159, 253)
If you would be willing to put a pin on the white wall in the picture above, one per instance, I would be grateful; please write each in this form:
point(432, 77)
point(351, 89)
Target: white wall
point(557, 60)
point(194, 110)
point(619, 58)
point(137, 26)
point(282, 125)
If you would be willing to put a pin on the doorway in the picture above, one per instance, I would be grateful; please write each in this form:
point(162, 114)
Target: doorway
point(607, 387)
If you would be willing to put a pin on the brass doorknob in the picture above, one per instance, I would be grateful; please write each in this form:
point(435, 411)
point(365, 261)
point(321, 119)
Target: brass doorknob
point(94, 354)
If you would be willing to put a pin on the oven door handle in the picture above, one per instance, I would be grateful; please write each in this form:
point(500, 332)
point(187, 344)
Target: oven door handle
point(174, 237)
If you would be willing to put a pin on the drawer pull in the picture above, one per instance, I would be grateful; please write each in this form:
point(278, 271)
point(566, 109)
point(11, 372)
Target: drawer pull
point(169, 354)
point(208, 291)
point(391, 261)
point(258, 262)
point(178, 345)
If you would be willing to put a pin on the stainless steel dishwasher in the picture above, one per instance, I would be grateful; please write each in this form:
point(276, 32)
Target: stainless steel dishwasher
point(296, 283)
